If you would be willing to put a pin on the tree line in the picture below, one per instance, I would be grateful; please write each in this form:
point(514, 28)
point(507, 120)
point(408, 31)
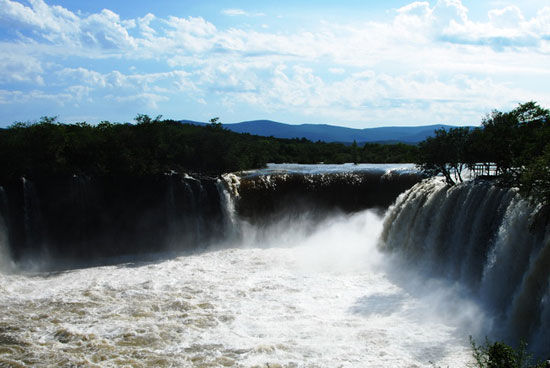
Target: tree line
point(153, 146)
point(516, 143)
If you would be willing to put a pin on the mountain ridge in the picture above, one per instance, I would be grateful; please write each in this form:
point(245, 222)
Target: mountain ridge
point(332, 133)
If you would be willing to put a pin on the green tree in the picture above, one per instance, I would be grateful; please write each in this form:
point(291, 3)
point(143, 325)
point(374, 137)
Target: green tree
point(513, 138)
point(445, 154)
point(534, 181)
point(518, 142)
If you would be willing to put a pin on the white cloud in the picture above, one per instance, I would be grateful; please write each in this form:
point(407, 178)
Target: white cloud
point(57, 26)
point(175, 81)
point(86, 76)
point(541, 23)
point(144, 25)
point(105, 30)
point(337, 70)
point(11, 97)
point(508, 17)
point(233, 12)
point(20, 68)
point(150, 100)
point(240, 12)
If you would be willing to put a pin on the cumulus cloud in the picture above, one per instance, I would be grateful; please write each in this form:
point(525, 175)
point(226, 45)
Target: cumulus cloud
point(448, 21)
point(20, 68)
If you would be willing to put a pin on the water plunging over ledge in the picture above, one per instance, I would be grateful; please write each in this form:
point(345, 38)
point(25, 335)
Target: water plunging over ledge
point(321, 283)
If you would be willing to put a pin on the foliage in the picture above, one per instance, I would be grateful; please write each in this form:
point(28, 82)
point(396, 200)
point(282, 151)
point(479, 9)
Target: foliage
point(517, 142)
point(384, 153)
point(444, 153)
point(534, 181)
point(153, 146)
point(500, 355)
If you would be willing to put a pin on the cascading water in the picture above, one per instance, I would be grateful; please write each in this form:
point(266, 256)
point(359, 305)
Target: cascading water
point(6, 263)
point(228, 193)
point(295, 290)
point(32, 218)
point(486, 238)
point(79, 220)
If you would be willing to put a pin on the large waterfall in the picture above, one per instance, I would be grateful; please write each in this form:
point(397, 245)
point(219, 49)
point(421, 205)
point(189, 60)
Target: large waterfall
point(291, 266)
point(487, 239)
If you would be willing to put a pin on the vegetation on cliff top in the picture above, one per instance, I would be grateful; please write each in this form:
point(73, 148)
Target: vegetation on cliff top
point(516, 143)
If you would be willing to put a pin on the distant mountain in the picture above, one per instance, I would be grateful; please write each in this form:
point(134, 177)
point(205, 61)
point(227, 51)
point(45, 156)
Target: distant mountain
point(332, 133)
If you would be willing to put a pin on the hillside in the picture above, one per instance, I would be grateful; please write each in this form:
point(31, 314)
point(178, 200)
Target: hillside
point(332, 133)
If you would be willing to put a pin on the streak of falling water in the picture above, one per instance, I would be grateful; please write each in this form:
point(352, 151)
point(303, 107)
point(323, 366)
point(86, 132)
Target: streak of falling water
point(6, 263)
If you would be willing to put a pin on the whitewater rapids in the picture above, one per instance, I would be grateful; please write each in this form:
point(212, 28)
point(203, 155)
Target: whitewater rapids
point(293, 295)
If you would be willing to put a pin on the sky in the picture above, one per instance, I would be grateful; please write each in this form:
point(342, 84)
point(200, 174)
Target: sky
point(351, 63)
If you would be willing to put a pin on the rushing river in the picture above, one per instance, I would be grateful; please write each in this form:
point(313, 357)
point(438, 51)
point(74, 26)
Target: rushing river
point(321, 298)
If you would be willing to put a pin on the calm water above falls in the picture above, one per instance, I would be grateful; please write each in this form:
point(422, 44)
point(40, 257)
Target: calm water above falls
point(333, 168)
point(321, 298)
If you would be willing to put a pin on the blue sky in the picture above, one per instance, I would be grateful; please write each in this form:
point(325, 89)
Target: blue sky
point(351, 63)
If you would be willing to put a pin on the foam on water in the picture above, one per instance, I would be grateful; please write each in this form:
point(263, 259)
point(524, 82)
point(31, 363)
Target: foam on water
point(324, 297)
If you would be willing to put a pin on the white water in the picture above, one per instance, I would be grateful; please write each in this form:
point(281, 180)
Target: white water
point(486, 239)
point(284, 296)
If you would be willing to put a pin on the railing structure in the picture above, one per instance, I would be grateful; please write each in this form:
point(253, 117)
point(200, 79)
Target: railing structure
point(485, 169)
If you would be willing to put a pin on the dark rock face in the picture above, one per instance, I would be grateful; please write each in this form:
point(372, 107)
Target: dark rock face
point(83, 217)
point(265, 197)
point(65, 221)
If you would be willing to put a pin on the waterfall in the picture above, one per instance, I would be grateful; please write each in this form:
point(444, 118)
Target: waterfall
point(486, 238)
point(6, 263)
point(33, 222)
point(228, 190)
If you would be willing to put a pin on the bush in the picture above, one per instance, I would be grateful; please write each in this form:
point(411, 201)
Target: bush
point(500, 355)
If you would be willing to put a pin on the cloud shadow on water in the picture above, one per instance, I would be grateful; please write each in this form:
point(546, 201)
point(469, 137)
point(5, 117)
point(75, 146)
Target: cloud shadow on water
point(378, 304)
